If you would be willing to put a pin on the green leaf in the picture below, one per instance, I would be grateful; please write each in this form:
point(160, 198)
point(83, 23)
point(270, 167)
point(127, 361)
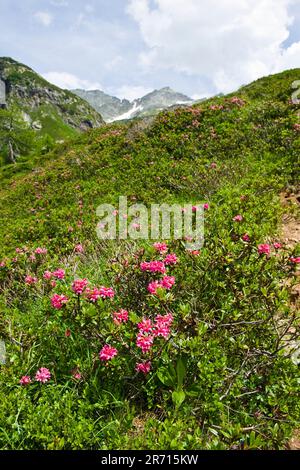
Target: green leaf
point(181, 371)
point(178, 397)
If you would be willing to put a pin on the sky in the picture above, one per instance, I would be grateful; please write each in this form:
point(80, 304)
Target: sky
point(127, 48)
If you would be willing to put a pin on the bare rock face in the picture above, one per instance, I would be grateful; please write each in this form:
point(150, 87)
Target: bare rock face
point(45, 105)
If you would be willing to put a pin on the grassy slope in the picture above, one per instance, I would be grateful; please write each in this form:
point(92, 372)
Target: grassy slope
point(255, 147)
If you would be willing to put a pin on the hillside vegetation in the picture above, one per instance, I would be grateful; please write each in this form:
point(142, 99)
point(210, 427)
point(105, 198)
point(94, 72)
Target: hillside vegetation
point(110, 359)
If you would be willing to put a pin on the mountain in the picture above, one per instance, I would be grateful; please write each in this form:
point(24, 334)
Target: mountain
point(45, 107)
point(115, 109)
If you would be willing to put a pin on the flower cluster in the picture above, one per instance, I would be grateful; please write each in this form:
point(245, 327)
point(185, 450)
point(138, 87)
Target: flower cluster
point(43, 375)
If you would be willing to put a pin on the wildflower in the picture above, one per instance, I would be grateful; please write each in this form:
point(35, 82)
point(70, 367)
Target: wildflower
point(53, 283)
point(144, 342)
point(120, 317)
point(77, 375)
point(238, 218)
point(153, 266)
point(277, 245)
point(25, 380)
point(297, 127)
point(29, 280)
point(153, 286)
point(43, 375)
point(79, 248)
point(41, 251)
point(19, 250)
point(162, 325)
point(47, 275)
point(194, 208)
point(106, 292)
point(79, 286)
point(264, 249)
point(194, 252)
point(170, 259)
point(107, 353)
point(58, 301)
point(295, 260)
point(161, 247)
point(246, 237)
point(59, 274)
point(167, 282)
point(32, 257)
point(67, 333)
point(144, 367)
point(213, 165)
point(206, 206)
point(145, 326)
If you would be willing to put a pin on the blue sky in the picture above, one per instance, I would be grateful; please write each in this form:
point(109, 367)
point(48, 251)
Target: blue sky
point(129, 47)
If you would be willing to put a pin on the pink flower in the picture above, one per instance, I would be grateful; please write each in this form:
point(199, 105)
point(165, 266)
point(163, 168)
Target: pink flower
point(277, 245)
point(206, 206)
point(162, 325)
point(238, 218)
point(43, 375)
point(59, 274)
point(167, 282)
point(246, 238)
point(25, 380)
point(79, 248)
point(107, 353)
point(19, 250)
point(153, 266)
point(77, 375)
point(153, 286)
point(58, 301)
point(145, 326)
point(297, 127)
point(295, 260)
point(120, 317)
point(67, 333)
point(47, 275)
point(40, 251)
point(170, 259)
point(213, 165)
point(92, 294)
point(79, 286)
point(194, 208)
point(194, 252)
point(161, 247)
point(264, 249)
point(29, 280)
point(144, 367)
point(144, 342)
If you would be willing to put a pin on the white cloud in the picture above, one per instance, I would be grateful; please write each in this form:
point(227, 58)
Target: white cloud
point(131, 92)
point(43, 17)
point(68, 81)
point(230, 42)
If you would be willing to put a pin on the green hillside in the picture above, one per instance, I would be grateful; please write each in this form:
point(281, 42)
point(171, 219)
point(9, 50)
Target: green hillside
point(222, 377)
point(44, 107)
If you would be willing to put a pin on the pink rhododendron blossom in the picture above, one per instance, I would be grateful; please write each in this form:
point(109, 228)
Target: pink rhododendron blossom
point(79, 286)
point(246, 237)
point(77, 375)
point(120, 317)
point(79, 248)
point(47, 275)
point(25, 380)
point(59, 274)
point(238, 218)
point(145, 326)
point(67, 333)
point(277, 245)
point(206, 206)
point(195, 208)
point(107, 353)
point(213, 165)
point(143, 367)
point(144, 342)
point(170, 259)
point(29, 280)
point(19, 250)
point(295, 260)
point(58, 301)
point(162, 325)
point(43, 375)
point(194, 252)
point(167, 282)
point(41, 251)
point(264, 249)
point(161, 247)
point(153, 266)
point(153, 286)
point(297, 127)
point(53, 283)
point(92, 294)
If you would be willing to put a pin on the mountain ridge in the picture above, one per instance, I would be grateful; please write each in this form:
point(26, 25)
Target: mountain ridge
point(113, 108)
